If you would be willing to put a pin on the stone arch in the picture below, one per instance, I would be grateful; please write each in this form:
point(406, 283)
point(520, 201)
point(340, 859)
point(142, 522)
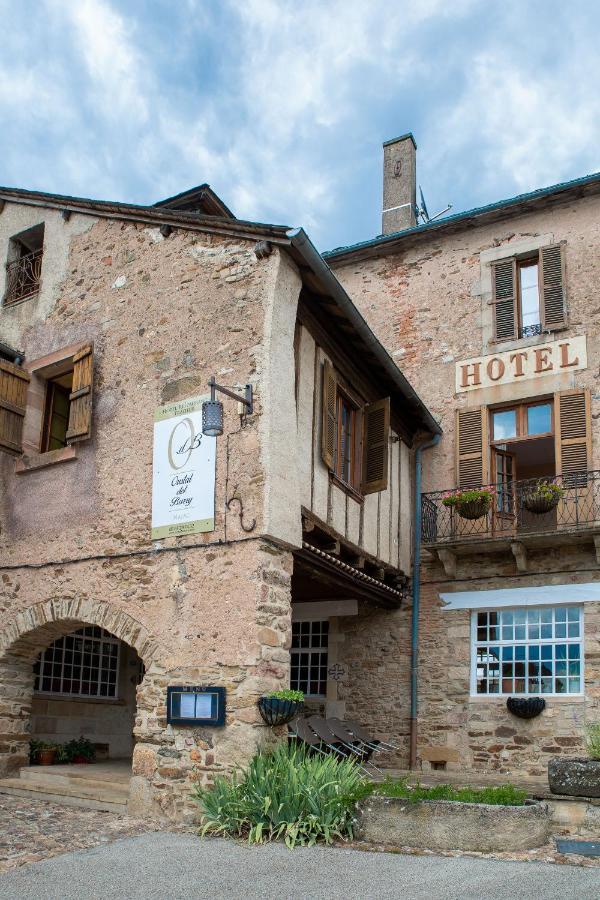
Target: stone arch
point(28, 632)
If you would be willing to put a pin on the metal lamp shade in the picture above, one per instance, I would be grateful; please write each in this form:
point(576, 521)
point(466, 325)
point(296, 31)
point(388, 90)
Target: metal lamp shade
point(212, 418)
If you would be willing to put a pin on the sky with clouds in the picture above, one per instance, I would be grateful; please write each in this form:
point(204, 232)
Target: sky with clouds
point(282, 107)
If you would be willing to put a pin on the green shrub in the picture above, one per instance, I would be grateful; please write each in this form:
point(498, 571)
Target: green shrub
point(592, 740)
point(287, 694)
point(503, 795)
point(286, 794)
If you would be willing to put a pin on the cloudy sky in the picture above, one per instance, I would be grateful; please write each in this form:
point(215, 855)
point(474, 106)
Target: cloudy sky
point(282, 106)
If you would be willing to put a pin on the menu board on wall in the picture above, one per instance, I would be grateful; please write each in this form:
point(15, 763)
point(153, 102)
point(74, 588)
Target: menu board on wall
point(183, 471)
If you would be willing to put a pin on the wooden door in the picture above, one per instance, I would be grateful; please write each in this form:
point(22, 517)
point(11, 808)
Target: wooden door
point(504, 467)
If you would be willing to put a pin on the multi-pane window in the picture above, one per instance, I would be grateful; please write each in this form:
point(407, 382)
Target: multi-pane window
point(345, 452)
point(82, 664)
point(309, 657)
point(529, 298)
point(537, 650)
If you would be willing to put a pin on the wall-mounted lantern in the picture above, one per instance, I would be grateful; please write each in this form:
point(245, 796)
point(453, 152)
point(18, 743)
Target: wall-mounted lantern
point(212, 410)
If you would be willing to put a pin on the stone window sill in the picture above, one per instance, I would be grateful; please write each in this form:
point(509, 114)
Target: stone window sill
point(32, 462)
point(66, 698)
point(503, 346)
point(550, 698)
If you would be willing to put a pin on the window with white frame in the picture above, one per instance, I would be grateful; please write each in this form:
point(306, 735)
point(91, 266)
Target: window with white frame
point(82, 664)
point(537, 650)
point(309, 657)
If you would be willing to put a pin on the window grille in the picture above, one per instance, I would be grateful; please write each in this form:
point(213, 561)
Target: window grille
point(82, 664)
point(309, 658)
point(532, 651)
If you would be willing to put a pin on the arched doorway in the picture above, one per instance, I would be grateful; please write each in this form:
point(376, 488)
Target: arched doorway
point(69, 669)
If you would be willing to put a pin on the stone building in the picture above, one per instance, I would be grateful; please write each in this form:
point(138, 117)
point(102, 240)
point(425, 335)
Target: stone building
point(139, 554)
point(494, 315)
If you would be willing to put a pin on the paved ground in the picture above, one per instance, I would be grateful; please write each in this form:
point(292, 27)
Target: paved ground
point(168, 866)
point(31, 830)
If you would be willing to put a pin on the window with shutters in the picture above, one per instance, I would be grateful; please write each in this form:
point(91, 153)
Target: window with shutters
point(24, 265)
point(354, 437)
point(529, 294)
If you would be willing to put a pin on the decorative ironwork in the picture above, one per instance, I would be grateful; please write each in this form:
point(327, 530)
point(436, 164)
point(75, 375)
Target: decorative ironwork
point(251, 525)
point(578, 508)
point(23, 276)
point(531, 330)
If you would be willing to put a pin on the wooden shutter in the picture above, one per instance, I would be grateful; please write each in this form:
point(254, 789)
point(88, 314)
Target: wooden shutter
point(80, 411)
point(329, 415)
point(504, 282)
point(471, 447)
point(13, 399)
point(376, 439)
point(573, 431)
point(552, 285)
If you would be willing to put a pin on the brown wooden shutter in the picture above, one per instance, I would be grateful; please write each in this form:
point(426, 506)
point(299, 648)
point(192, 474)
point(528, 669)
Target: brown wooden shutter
point(80, 411)
point(471, 447)
point(13, 400)
point(329, 415)
point(572, 423)
point(552, 285)
point(504, 282)
point(376, 438)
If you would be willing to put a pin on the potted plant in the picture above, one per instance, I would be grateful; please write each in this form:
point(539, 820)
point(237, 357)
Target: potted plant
point(281, 707)
point(41, 753)
point(578, 776)
point(79, 751)
point(472, 504)
point(542, 497)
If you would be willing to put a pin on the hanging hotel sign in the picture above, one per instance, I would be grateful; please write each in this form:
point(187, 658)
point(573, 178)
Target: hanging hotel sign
point(513, 366)
point(183, 471)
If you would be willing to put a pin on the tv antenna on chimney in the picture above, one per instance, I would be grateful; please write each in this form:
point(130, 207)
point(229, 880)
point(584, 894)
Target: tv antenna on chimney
point(422, 213)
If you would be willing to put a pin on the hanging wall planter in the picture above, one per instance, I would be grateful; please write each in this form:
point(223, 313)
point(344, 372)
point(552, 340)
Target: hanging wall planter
point(525, 707)
point(542, 498)
point(281, 707)
point(470, 504)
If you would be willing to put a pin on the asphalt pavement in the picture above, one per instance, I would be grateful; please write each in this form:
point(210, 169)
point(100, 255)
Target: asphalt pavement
point(168, 866)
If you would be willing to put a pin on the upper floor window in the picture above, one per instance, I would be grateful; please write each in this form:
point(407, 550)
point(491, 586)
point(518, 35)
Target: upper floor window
point(354, 438)
point(24, 264)
point(529, 294)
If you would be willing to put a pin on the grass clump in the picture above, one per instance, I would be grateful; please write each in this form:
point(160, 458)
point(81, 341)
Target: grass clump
point(285, 794)
point(592, 740)
point(503, 795)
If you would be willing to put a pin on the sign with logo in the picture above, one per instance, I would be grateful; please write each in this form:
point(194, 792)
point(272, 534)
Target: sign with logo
point(513, 366)
point(183, 471)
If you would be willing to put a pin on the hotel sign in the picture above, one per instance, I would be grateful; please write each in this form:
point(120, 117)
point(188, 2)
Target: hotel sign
point(183, 471)
point(514, 366)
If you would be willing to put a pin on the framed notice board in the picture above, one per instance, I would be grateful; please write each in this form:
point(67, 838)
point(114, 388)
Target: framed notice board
point(188, 705)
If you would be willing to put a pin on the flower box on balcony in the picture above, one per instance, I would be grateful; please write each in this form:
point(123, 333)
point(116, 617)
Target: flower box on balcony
point(542, 497)
point(470, 504)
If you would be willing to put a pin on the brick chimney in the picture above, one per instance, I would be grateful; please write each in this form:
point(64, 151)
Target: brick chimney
point(399, 184)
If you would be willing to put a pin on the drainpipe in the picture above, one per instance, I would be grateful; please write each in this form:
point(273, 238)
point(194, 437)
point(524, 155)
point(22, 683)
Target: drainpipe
point(414, 643)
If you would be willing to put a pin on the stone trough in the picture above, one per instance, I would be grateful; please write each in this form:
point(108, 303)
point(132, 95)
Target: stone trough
point(450, 825)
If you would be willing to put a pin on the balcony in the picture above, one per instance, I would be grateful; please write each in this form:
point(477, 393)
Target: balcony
point(23, 277)
point(517, 519)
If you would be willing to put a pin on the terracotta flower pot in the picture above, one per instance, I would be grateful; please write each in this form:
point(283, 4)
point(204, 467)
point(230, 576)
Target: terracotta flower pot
point(46, 757)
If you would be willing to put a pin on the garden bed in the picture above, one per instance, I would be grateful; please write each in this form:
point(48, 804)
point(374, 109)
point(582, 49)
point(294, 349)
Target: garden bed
point(438, 818)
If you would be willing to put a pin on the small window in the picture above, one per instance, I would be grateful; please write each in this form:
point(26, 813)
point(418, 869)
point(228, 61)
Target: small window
point(24, 265)
point(537, 650)
point(345, 457)
point(82, 664)
point(309, 657)
point(529, 298)
point(504, 424)
point(522, 421)
point(539, 419)
point(56, 413)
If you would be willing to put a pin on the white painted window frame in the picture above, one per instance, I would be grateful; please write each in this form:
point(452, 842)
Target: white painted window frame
point(513, 643)
point(105, 638)
point(313, 651)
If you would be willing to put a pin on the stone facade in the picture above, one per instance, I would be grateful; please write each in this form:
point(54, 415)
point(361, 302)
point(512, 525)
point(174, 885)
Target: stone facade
point(427, 295)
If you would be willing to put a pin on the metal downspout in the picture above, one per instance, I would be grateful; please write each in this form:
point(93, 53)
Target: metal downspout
point(414, 643)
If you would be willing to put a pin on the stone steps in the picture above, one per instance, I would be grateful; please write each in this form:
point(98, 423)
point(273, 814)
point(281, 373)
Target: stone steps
point(71, 786)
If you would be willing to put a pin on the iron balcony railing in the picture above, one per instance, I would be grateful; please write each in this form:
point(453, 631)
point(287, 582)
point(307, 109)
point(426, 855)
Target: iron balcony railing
point(516, 508)
point(23, 276)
